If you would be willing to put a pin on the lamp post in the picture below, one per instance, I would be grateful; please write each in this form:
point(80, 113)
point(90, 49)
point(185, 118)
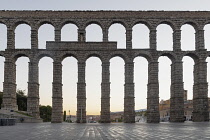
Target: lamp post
point(69, 116)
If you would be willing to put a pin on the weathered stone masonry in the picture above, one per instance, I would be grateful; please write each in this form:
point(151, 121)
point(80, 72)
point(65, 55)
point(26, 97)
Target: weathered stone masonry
point(105, 50)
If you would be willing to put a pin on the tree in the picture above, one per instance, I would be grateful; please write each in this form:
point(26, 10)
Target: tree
point(45, 113)
point(64, 116)
point(21, 100)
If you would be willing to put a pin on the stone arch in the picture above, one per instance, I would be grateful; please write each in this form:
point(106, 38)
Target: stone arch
point(145, 55)
point(44, 54)
point(206, 29)
point(2, 54)
point(192, 55)
point(94, 54)
point(141, 29)
point(3, 34)
point(146, 23)
point(165, 42)
point(117, 22)
point(41, 44)
point(120, 54)
point(94, 22)
point(194, 24)
point(167, 22)
point(3, 22)
point(69, 27)
point(22, 34)
point(170, 55)
point(19, 54)
point(64, 55)
point(191, 33)
point(121, 41)
point(42, 22)
point(98, 31)
point(17, 23)
point(68, 22)
point(205, 23)
point(40, 59)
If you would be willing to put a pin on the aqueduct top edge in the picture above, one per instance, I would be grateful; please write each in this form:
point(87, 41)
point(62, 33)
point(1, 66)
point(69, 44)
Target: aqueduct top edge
point(105, 14)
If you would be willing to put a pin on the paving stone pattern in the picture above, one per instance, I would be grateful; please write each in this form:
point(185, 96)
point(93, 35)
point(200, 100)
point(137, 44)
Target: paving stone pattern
point(122, 131)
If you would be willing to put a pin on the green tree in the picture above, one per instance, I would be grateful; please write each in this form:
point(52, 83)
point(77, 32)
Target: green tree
point(64, 116)
point(45, 113)
point(21, 100)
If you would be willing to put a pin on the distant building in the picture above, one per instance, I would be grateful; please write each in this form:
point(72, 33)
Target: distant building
point(92, 118)
point(164, 108)
point(117, 116)
point(71, 118)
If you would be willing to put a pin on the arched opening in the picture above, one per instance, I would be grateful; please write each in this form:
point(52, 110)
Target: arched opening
point(188, 79)
point(140, 36)
point(69, 32)
point(117, 88)
point(207, 36)
point(141, 81)
point(117, 33)
point(2, 59)
point(208, 74)
point(93, 81)
point(164, 87)
point(187, 37)
point(23, 37)
point(188, 67)
point(94, 33)
point(22, 80)
point(69, 80)
point(45, 33)
point(45, 80)
point(3, 37)
point(164, 37)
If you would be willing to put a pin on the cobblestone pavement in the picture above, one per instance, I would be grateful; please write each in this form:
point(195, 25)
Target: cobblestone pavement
point(117, 131)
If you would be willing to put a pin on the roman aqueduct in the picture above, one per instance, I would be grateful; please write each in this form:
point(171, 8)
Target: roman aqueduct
point(105, 50)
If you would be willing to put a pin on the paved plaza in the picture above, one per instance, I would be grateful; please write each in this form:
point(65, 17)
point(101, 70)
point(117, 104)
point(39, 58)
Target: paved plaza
point(67, 131)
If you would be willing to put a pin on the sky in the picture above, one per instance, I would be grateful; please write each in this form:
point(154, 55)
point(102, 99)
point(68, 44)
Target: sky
point(93, 64)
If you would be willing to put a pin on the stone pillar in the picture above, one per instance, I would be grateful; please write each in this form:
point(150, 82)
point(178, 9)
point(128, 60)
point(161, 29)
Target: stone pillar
point(200, 92)
point(153, 115)
point(57, 34)
point(128, 38)
point(9, 87)
point(177, 92)
point(177, 40)
point(34, 38)
point(81, 94)
point(129, 104)
point(105, 93)
point(81, 35)
point(10, 39)
point(199, 40)
point(33, 90)
point(105, 35)
point(152, 39)
point(57, 100)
